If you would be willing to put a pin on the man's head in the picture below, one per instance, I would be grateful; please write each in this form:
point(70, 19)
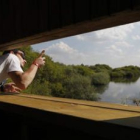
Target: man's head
point(20, 54)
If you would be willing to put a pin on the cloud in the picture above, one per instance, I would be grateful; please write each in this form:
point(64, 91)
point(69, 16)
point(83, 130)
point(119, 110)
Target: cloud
point(123, 44)
point(61, 52)
point(59, 48)
point(113, 50)
point(81, 37)
point(136, 37)
point(115, 33)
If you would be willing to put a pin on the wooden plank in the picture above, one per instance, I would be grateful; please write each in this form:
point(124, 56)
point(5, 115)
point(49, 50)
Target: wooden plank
point(104, 105)
point(24, 18)
point(119, 5)
point(135, 3)
point(93, 120)
point(81, 10)
point(54, 14)
point(1, 22)
point(67, 11)
point(43, 15)
point(76, 109)
point(17, 19)
point(30, 17)
point(99, 8)
point(7, 19)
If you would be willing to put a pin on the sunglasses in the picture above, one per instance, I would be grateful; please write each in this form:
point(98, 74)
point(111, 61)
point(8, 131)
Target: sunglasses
point(22, 55)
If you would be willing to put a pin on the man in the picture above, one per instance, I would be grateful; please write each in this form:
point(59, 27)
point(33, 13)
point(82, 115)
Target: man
point(11, 63)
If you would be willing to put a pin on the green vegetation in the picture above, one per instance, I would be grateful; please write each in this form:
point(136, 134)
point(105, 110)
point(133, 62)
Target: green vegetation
point(126, 71)
point(77, 82)
point(101, 78)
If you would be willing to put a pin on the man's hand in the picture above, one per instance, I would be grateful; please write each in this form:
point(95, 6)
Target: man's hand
point(11, 87)
point(40, 61)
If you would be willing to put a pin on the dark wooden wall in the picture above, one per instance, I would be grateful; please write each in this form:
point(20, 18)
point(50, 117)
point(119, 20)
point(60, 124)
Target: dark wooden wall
point(20, 19)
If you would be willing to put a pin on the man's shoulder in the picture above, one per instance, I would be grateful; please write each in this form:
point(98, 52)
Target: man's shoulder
point(13, 63)
point(8, 56)
point(12, 57)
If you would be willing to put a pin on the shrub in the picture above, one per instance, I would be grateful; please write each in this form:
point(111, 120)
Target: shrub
point(101, 78)
point(79, 87)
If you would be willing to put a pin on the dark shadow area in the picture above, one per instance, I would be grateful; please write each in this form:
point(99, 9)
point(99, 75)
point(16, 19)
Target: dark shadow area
point(129, 122)
point(24, 123)
point(17, 127)
point(9, 93)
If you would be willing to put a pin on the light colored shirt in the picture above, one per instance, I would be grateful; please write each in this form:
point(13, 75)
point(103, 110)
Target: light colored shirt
point(8, 63)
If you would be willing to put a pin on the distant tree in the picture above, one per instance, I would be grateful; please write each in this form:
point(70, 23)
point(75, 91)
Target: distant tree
point(126, 71)
point(101, 68)
point(83, 70)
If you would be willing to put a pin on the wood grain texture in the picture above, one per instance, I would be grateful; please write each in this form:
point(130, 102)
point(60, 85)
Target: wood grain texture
point(96, 111)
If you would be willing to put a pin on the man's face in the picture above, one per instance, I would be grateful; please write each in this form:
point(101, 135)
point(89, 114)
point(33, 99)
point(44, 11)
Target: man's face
point(21, 57)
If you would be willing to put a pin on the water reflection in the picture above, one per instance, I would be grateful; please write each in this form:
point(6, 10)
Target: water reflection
point(101, 88)
point(121, 91)
point(125, 80)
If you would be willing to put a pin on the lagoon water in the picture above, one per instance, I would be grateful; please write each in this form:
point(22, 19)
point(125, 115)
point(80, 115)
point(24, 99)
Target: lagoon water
point(121, 93)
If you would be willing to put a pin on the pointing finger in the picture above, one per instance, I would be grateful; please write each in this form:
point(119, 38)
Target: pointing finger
point(42, 53)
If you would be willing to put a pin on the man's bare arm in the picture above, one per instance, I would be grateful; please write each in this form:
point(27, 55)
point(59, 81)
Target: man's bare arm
point(24, 79)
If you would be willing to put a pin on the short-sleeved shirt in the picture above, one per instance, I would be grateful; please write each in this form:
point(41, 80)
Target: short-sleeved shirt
point(8, 63)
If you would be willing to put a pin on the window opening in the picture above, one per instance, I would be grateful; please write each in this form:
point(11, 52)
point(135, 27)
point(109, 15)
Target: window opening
point(102, 65)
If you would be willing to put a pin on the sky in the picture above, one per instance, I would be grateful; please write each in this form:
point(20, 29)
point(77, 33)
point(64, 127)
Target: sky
point(117, 47)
